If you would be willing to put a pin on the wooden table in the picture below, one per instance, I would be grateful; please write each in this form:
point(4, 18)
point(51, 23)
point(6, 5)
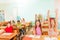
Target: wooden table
point(43, 37)
point(8, 37)
point(1, 31)
point(33, 38)
point(2, 27)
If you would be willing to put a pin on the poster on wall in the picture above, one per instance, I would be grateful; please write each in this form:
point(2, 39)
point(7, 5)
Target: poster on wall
point(2, 16)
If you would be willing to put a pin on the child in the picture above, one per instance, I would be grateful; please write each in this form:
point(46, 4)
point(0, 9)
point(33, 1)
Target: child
point(22, 32)
point(52, 30)
point(37, 28)
point(19, 24)
point(23, 29)
point(9, 28)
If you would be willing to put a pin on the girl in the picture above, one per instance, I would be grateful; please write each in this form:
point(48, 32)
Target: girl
point(9, 28)
point(37, 28)
point(52, 30)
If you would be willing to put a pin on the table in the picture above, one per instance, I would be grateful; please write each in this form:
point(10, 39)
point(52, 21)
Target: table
point(8, 37)
point(33, 37)
point(1, 31)
point(2, 27)
point(42, 37)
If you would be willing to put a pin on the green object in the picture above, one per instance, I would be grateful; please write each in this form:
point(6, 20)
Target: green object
point(33, 23)
point(19, 25)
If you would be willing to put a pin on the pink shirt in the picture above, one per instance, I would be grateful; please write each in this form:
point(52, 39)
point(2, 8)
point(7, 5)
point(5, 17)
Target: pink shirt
point(38, 31)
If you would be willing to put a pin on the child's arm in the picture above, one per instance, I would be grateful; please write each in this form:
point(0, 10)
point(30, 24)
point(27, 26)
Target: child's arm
point(34, 31)
point(5, 30)
point(48, 16)
point(56, 26)
point(56, 18)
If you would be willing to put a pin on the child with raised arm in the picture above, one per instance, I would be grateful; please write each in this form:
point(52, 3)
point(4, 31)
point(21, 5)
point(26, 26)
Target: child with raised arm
point(52, 30)
point(9, 28)
point(37, 29)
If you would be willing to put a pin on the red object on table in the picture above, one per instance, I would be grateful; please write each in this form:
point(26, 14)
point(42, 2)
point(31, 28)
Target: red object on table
point(27, 38)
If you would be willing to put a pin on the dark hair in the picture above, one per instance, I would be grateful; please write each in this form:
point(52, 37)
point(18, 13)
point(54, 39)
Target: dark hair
point(13, 21)
point(39, 24)
point(9, 22)
point(18, 20)
point(54, 22)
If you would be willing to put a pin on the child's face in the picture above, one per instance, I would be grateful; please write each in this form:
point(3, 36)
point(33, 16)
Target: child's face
point(37, 23)
point(52, 22)
point(8, 25)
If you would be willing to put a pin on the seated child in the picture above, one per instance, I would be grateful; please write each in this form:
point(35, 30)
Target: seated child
point(52, 30)
point(37, 29)
point(18, 24)
point(23, 30)
point(9, 28)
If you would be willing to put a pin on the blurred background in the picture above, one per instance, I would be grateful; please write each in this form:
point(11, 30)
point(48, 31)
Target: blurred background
point(17, 9)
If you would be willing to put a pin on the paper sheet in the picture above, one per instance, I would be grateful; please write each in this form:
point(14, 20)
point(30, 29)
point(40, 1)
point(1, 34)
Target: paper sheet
point(32, 36)
point(37, 36)
point(6, 33)
point(1, 31)
point(46, 38)
point(50, 38)
point(54, 38)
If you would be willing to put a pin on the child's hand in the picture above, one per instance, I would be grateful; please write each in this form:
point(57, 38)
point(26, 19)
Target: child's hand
point(3, 31)
point(34, 32)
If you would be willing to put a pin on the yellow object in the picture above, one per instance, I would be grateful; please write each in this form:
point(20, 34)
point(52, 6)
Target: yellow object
point(19, 25)
point(58, 38)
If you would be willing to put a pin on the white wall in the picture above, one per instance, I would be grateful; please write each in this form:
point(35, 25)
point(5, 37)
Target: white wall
point(9, 10)
point(28, 8)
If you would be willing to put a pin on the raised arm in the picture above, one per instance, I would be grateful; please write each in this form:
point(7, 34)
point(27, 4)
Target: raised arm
point(48, 16)
point(56, 11)
point(56, 19)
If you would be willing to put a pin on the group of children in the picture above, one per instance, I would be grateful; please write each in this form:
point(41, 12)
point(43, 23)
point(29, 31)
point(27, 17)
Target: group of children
point(52, 24)
point(52, 29)
point(20, 25)
point(9, 26)
point(37, 29)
